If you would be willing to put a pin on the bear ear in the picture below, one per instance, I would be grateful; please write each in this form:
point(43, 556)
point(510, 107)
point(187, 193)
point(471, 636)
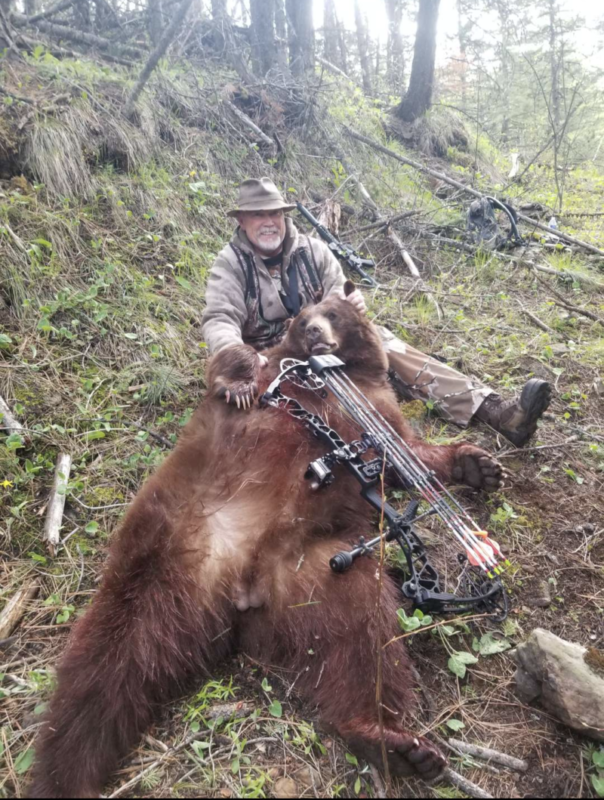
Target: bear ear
point(349, 288)
point(287, 324)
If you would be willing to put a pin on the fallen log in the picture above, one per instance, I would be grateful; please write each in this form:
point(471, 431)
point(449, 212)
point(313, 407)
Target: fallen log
point(81, 37)
point(486, 754)
point(54, 514)
point(463, 188)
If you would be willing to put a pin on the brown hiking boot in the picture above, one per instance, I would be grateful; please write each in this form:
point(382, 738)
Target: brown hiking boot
point(517, 419)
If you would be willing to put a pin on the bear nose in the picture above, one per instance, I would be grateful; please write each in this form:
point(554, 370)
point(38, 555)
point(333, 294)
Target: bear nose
point(313, 332)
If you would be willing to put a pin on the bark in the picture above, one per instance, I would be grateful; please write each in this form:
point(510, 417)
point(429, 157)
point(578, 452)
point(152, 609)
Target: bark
point(301, 36)
point(281, 33)
point(462, 35)
point(155, 20)
point(31, 7)
point(395, 65)
point(330, 32)
point(264, 52)
point(363, 45)
point(61, 6)
point(421, 84)
point(155, 56)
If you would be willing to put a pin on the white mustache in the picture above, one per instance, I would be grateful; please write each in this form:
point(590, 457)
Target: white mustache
point(269, 232)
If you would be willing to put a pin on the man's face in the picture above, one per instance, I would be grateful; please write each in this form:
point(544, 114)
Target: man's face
point(264, 229)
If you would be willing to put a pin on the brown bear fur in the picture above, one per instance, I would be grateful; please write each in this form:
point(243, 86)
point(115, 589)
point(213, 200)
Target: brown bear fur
point(226, 547)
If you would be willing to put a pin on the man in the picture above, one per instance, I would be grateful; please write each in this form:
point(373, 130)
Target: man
point(269, 271)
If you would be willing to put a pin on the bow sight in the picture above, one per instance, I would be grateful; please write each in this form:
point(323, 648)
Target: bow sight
point(480, 588)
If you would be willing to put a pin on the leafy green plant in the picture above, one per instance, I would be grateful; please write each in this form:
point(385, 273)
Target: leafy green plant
point(414, 623)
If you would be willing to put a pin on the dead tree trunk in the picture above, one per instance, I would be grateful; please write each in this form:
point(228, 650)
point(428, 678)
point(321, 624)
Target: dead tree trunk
point(395, 63)
point(264, 52)
point(301, 36)
point(421, 84)
point(330, 32)
point(342, 47)
point(363, 45)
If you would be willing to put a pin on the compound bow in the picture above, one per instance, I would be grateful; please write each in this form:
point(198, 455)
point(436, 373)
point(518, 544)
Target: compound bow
point(480, 558)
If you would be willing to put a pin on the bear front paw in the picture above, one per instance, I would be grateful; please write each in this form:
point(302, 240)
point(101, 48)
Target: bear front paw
point(233, 375)
point(477, 468)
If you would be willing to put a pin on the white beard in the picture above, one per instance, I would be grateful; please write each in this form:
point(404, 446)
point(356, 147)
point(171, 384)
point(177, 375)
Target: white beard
point(269, 243)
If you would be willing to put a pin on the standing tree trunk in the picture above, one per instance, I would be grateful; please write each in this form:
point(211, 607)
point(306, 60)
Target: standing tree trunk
point(421, 84)
point(264, 52)
point(363, 45)
point(155, 20)
point(281, 32)
point(462, 35)
point(342, 47)
point(301, 36)
point(31, 7)
point(554, 65)
point(330, 32)
point(395, 59)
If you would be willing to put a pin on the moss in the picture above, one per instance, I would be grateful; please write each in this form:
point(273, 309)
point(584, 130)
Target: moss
point(414, 411)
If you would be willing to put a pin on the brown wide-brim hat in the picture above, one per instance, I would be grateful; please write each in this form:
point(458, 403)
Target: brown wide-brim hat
point(259, 195)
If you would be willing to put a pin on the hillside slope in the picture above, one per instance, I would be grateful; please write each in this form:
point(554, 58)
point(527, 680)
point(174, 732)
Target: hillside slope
point(107, 231)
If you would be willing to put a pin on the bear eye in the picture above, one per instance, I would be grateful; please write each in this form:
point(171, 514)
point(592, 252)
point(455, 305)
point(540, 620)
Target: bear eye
point(303, 324)
point(332, 316)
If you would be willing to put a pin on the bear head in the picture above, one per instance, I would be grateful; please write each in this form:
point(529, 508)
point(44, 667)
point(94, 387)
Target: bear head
point(336, 327)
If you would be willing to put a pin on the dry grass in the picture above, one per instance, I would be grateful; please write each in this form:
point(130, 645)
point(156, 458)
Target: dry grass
point(104, 348)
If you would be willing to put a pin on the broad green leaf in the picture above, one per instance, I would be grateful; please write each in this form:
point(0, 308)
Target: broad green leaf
point(92, 527)
point(598, 759)
point(489, 645)
point(352, 759)
point(276, 709)
point(184, 283)
point(24, 761)
point(5, 340)
point(266, 685)
point(455, 724)
point(357, 786)
point(598, 784)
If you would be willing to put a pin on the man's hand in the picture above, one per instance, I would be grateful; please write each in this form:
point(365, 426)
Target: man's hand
point(357, 300)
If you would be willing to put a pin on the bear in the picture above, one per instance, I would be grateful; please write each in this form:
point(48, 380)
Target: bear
point(226, 548)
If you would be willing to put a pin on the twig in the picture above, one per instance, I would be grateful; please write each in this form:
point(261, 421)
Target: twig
point(383, 223)
point(380, 791)
point(522, 450)
point(155, 56)
point(235, 709)
point(7, 421)
point(16, 607)
point(486, 754)
point(336, 70)
point(16, 96)
point(54, 515)
point(471, 789)
point(535, 320)
point(467, 189)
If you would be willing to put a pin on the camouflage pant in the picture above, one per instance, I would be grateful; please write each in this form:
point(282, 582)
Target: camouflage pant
point(457, 397)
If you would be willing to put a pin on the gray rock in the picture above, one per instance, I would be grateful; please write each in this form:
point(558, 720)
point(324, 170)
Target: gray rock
point(555, 672)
